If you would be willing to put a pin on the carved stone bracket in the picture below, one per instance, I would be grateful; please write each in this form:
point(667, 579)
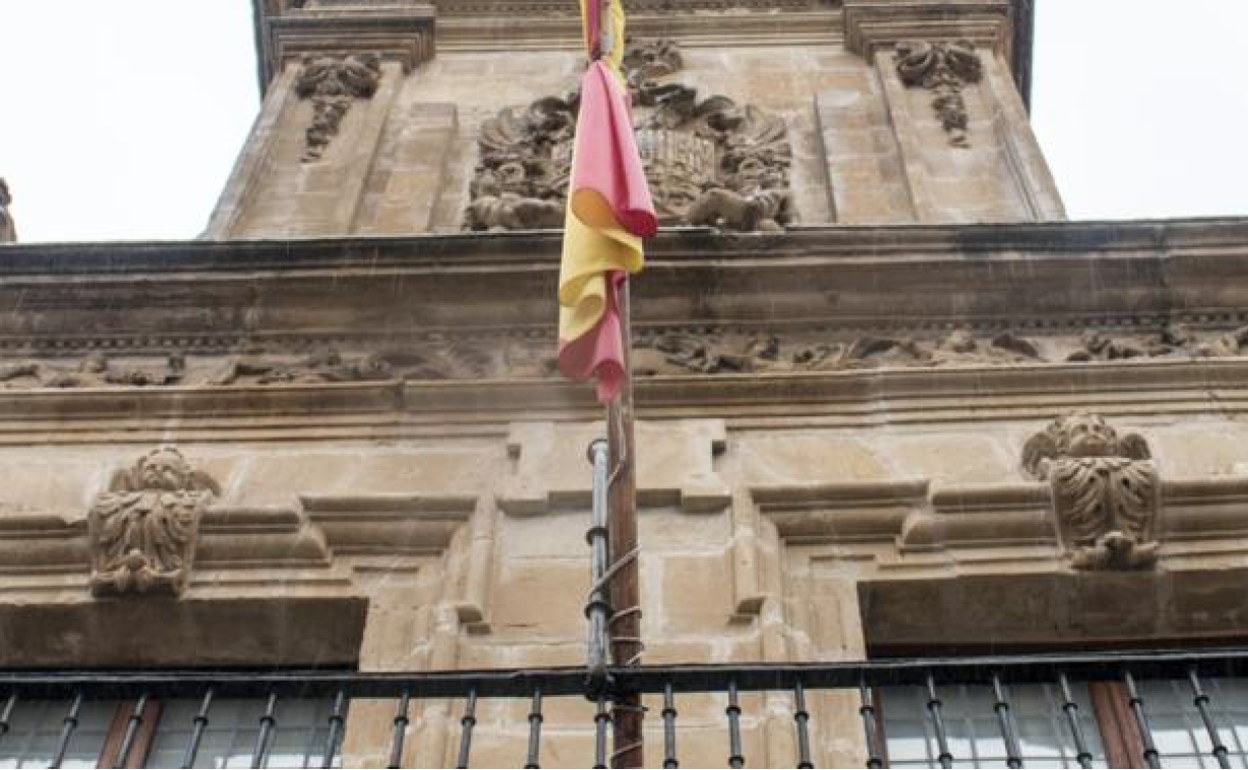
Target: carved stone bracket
point(144, 529)
point(944, 69)
point(709, 161)
point(8, 230)
point(1106, 491)
point(333, 85)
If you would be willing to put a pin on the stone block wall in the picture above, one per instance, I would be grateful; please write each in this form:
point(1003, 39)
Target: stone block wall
point(866, 148)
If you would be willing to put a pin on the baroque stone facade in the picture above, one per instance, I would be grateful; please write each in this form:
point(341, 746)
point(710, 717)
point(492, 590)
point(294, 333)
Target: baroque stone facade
point(851, 329)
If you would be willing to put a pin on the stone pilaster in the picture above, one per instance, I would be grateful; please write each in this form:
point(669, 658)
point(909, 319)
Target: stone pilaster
point(321, 157)
point(958, 132)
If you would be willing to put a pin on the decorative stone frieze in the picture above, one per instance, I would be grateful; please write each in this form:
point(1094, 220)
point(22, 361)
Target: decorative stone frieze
point(8, 230)
point(709, 161)
point(93, 371)
point(664, 351)
point(144, 529)
point(944, 69)
point(333, 85)
point(1106, 491)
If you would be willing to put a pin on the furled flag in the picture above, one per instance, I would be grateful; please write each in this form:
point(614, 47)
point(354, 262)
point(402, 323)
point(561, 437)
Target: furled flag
point(609, 211)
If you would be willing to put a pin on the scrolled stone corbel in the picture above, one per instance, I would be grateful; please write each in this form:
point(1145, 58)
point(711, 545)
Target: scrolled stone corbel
point(1106, 491)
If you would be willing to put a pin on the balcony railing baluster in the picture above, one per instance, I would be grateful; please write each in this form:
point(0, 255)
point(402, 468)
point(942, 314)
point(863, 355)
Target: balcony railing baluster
point(6, 714)
point(1200, 700)
point(875, 747)
point(197, 732)
point(67, 730)
point(268, 721)
point(602, 724)
point(533, 759)
point(401, 722)
point(132, 729)
point(934, 705)
point(669, 728)
point(1005, 720)
point(468, 722)
point(1151, 757)
point(336, 719)
point(735, 757)
point(801, 717)
point(1083, 755)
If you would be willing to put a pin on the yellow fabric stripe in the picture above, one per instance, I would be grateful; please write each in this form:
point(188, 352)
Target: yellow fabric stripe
point(593, 241)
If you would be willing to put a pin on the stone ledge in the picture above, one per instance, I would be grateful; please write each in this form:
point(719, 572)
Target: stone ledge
point(484, 408)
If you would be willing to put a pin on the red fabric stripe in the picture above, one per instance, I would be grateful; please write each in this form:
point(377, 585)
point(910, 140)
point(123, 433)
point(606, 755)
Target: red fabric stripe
point(607, 159)
point(593, 27)
point(600, 353)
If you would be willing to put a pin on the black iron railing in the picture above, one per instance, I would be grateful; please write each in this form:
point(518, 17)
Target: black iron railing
point(538, 686)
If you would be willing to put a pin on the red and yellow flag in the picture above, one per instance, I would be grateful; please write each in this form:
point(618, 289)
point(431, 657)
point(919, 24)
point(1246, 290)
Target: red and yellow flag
point(609, 212)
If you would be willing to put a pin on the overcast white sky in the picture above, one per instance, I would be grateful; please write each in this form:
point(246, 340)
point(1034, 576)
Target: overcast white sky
point(121, 119)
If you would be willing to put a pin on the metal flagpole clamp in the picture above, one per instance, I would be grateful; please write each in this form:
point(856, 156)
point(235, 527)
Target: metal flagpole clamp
point(598, 607)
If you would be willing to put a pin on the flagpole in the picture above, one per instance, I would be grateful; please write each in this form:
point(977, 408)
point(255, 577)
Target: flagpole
point(626, 646)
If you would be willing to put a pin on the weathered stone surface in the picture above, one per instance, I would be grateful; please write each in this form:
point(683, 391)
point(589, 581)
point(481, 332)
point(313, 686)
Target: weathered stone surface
point(1106, 491)
point(144, 529)
point(8, 229)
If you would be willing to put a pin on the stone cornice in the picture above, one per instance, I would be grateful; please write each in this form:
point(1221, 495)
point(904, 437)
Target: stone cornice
point(480, 295)
point(872, 24)
point(402, 33)
point(1003, 26)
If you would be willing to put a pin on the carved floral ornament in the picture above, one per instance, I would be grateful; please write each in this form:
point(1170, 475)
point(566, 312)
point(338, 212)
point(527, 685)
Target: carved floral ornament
point(1106, 491)
point(709, 161)
point(944, 69)
point(143, 530)
point(333, 85)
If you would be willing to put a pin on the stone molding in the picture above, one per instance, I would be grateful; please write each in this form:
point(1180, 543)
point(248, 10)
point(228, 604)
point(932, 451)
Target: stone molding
point(392, 33)
point(874, 24)
point(487, 8)
point(990, 554)
point(549, 461)
point(909, 528)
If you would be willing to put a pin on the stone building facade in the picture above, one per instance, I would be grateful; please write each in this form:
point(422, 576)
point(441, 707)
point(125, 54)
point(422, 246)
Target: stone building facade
point(890, 401)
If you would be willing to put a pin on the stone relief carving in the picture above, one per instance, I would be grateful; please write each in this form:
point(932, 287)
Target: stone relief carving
point(441, 360)
point(1105, 491)
point(143, 530)
point(669, 352)
point(709, 161)
point(8, 230)
point(944, 69)
point(94, 371)
point(333, 85)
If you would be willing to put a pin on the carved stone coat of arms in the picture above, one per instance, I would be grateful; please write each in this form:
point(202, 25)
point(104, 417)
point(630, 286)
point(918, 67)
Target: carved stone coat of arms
point(144, 529)
point(709, 161)
point(1106, 491)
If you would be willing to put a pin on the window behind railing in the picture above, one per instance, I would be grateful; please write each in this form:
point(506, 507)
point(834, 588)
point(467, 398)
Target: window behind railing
point(45, 733)
point(1135, 709)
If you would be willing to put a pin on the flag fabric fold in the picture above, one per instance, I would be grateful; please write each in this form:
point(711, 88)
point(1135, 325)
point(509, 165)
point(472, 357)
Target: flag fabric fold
point(609, 212)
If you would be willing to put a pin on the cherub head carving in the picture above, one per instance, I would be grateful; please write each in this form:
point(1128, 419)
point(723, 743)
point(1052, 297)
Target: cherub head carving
point(1079, 435)
point(163, 469)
